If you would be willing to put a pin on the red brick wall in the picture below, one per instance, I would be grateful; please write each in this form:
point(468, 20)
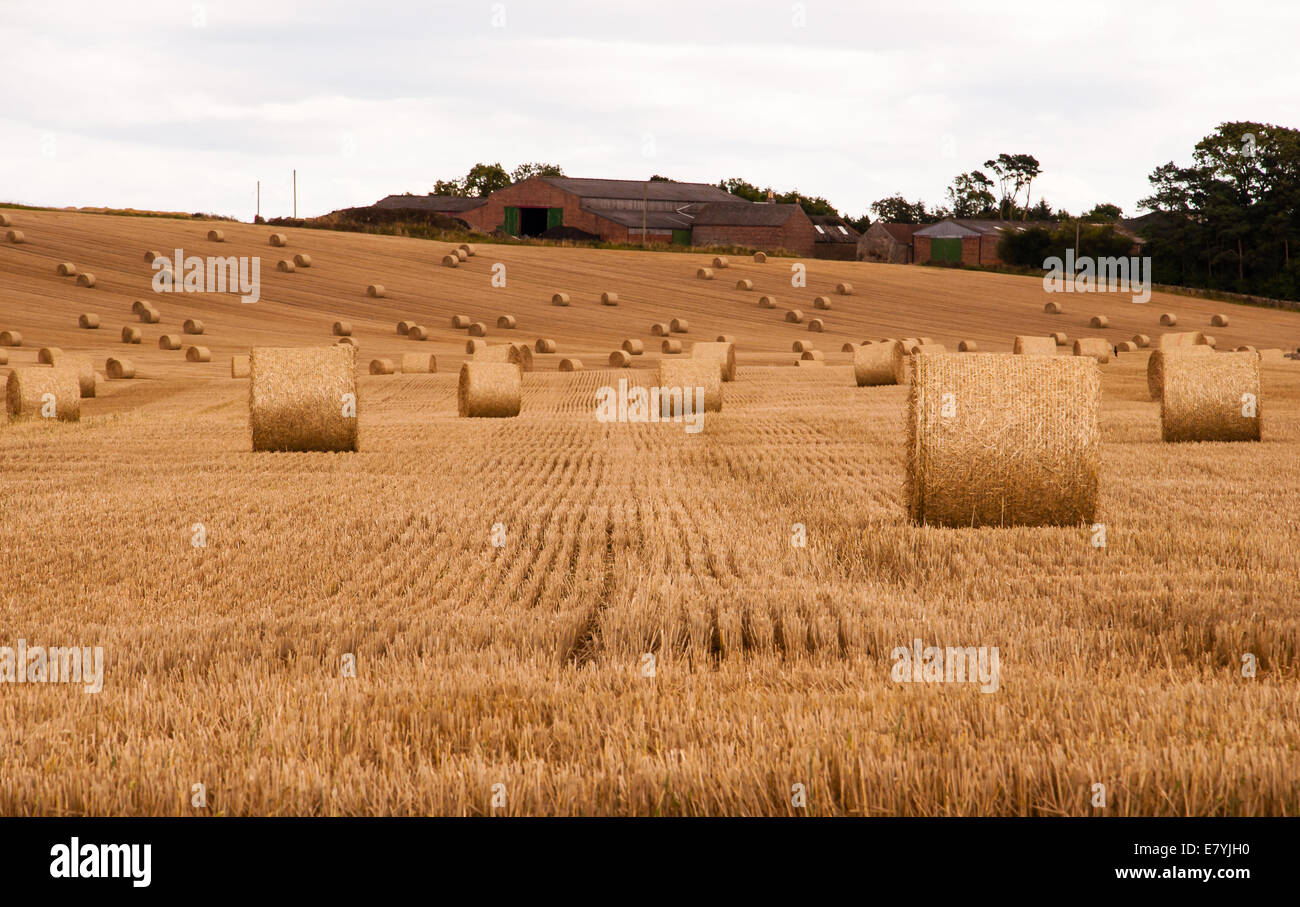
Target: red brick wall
point(975, 250)
point(536, 193)
point(796, 234)
point(921, 249)
point(836, 251)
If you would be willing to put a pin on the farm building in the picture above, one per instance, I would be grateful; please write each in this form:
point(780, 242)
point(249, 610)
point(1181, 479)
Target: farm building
point(834, 238)
point(453, 205)
point(969, 242)
point(890, 243)
point(756, 225)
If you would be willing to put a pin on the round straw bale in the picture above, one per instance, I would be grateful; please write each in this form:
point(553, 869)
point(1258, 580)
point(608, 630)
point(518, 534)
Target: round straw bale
point(816, 325)
point(1219, 321)
point(81, 363)
point(1052, 308)
point(760, 257)
point(999, 440)
point(744, 284)
point(66, 269)
point(169, 342)
point(560, 299)
point(1126, 346)
point(620, 359)
point(1059, 338)
point(139, 306)
point(767, 302)
point(239, 366)
point(477, 329)
point(375, 291)
point(47, 354)
point(1168, 319)
point(347, 341)
point(1141, 340)
point(1210, 341)
point(302, 260)
point(1180, 339)
point(451, 261)
point(117, 368)
point(609, 299)
point(192, 326)
point(725, 338)
point(671, 346)
point(419, 363)
point(1034, 346)
point(818, 355)
point(417, 332)
point(382, 367)
point(88, 321)
point(468, 249)
point(679, 374)
point(570, 365)
point(285, 265)
point(521, 354)
point(44, 393)
point(904, 354)
point(968, 346)
point(473, 345)
point(544, 345)
point(720, 261)
point(1099, 321)
point(461, 255)
point(1097, 347)
point(1211, 398)
point(794, 316)
point(151, 254)
point(721, 351)
point(800, 345)
point(502, 352)
point(5, 220)
point(342, 329)
point(460, 322)
point(506, 321)
point(198, 354)
point(489, 390)
point(844, 289)
point(16, 237)
point(11, 338)
point(85, 279)
point(216, 236)
point(149, 315)
point(874, 365)
point(404, 326)
point(131, 334)
point(847, 347)
point(278, 239)
point(633, 347)
point(704, 273)
point(679, 325)
point(304, 398)
point(822, 302)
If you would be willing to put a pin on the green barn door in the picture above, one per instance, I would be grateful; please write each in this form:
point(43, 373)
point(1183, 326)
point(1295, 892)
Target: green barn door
point(945, 249)
point(512, 220)
point(554, 217)
point(681, 237)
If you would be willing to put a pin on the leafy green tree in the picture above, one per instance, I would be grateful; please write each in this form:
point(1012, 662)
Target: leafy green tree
point(484, 179)
point(1104, 212)
point(970, 195)
point(527, 171)
point(897, 210)
point(1014, 172)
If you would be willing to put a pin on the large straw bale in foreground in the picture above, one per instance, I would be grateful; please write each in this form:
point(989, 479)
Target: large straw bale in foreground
point(874, 365)
point(83, 365)
point(1211, 398)
point(722, 352)
point(303, 399)
point(1034, 346)
point(489, 389)
point(996, 440)
point(27, 390)
point(705, 373)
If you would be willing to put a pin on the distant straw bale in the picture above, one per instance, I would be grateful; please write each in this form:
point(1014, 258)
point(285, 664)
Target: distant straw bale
point(1034, 346)
point(620, 359)
point(817, 355)
point(1098, 348)
point(1141, 340)
point(417, 332)
point(477, 329)
point(1168, 319)
point(760, 257)
point(1099, 321)
point(5, 220)
point(1052, 308)
point(375, 291)
point(151, 254)
point(169, 342)
point(88, 321)
point(303, 399)
point(474, 345)
point(460, 254)
point(285, 265)
point(1211, 398)
point(704, 273)
point(85, 279)
point(131, 334)
point(1126, 346)
point(489, 390)
point(468, 249)
point(419, 363)
point(404, 326)
point(570, 365)
point(66, 269)
point(1059, 338)
point(302, 260)
point(44, 393)
point(633, 347)
point(507, 322)
point(11, 338)
point(17, 237)
point(744, 284)
point(816, 325)
point(822, 302)
point(342, 329)
point(198, 354)
point(794, 316)
point(119, 369)
point(968, 346)
point(671, 346)
point(47, 354)
point(767, 302)
point(216, 236)
point(721, 351)
point(660, 329)
point(679, 326)
point(609, 299)
point(149, 315)
point(847, 347)
point(451, 261)
point(720, 261)
point(844, 289)
point(382, 367)
point(192, 326)
point(278, 239)
point(544, 345)
point(460, 322)
point(560, 299)
point(800, 345)
point(1219, 321)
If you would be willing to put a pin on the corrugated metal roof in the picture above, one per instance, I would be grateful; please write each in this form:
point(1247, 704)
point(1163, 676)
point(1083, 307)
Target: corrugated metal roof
point(631, 217)
point(743, 214)
point(658, 190)
point(836, 228)
point(453, 203)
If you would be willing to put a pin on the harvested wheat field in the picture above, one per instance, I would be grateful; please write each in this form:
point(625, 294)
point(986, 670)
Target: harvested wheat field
point(617, 617)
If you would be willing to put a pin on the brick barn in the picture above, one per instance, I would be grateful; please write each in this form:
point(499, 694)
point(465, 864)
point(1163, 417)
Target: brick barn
point(891, 243)
point(834, 238)
point(968, 242)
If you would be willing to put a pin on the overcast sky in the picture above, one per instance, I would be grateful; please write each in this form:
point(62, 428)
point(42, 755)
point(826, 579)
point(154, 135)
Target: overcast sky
point(183, 106)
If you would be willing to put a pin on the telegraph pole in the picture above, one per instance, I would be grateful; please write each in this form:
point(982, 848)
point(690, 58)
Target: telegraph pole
point(295, 193)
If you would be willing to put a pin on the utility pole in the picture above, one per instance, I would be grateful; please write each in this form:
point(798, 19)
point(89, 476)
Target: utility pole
point(259, 200)
point(645, 201)
point(295, 193)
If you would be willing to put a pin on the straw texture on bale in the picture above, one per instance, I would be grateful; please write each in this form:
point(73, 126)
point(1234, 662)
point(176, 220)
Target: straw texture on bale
point(620, 359)
point(5, 221)
point(1097, 347)
point(1141, 340)
point(1017, 443)
point(149, 315)
point(467, 248)
point(1168, 319)
point(822, 302)
point(239, 366)
point(473, 345)
point(560, 299)
point(419, 363)
point(81, 363)
point(1176, 340)
point(131, 334)
point(302, 260)
point(460, 254)
point(16, 237)
point(198, 354)
point(382, 367)
point(1205, 398)
point(1219, 321)
point(679, 325)
point(507, 321)
point(47, 354)
point(817, 355)
point(489, 390)
point(85, 279)
point(694, 373)
point(521, 354)
point(1156, 365)
point(285, 265)
point(303, 399)
point(477, 329)
point(192, 326)
point(968, 346)
point(906, 353)
point(118, 368)
point(375, 290)
point(27, 387)
point(633, 347)
point(1034, 346)
point(816, 325)
point(216, 236)
point(1099, 321)
point(1052, 308)
point(671, 346)
point(278, 239)
point(844, 289)
point(451, 261)
point(800, 345)
point(744, 284)
point(169, 342)
point(570, 365)
point(704, 273)
point(721, 351)
point(609, 299)
point(488, 353)
point(417, 332)
point(767, 302)
point(725, 338)
point(88, 321)
point(1059, 338)
point(342, 329)
point(67, 269)
point(544, 345)
point(11, 338)
point(794, 316)
point(720, 261)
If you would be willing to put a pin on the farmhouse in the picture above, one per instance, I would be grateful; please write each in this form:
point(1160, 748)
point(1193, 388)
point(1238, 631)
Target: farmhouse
point(890, 243)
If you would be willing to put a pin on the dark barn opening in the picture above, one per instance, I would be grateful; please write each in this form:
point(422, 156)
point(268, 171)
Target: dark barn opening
point(532, 221)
